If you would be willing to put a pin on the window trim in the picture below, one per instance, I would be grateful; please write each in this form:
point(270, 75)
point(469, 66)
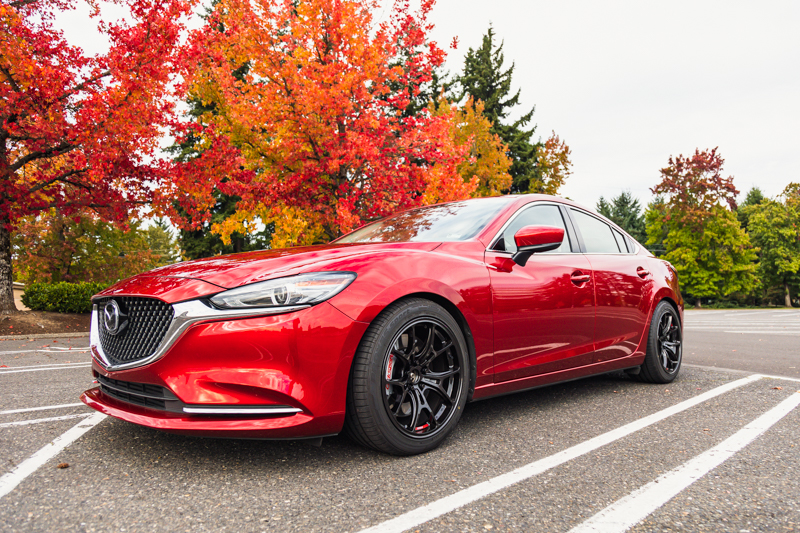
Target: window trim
point(574, 239)
point(611, 225)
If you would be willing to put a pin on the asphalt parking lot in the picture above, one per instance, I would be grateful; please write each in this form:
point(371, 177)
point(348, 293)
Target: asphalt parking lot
point(717, 450)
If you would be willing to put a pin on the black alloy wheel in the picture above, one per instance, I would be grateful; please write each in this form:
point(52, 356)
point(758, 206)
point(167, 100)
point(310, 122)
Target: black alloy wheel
point(664, 346)
point(669, 343)
point(422, 377)
point(409, 380)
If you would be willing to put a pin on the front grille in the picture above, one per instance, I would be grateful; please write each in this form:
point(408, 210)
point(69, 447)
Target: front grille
point(145, 322)
point(142, 394)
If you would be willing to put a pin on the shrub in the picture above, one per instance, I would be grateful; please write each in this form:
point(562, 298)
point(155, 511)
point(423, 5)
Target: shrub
point(61, 297)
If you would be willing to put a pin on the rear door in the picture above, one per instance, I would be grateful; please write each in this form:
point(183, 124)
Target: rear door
point(543, 312)
point(622, 285)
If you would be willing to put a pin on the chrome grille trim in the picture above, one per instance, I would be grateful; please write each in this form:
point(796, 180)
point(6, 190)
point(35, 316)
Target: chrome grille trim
point(146, 321)
point(186, 314)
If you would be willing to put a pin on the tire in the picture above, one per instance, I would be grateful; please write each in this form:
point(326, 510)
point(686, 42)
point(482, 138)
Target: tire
point(409, 380)
point(664, 346)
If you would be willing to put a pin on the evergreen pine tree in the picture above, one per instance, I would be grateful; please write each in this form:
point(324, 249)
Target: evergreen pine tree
point(484, 79)
point(754, 197)
point(625, 211)
point(604, 208)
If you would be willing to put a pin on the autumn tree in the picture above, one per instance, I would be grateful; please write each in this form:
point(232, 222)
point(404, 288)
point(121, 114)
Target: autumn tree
point(656, 230)
point(774, 226)
point(81, 132)
point(704, 240)
point(50, 247)
point(486, 157)
point(198, 240)
point(624, 210)
point(313, 138)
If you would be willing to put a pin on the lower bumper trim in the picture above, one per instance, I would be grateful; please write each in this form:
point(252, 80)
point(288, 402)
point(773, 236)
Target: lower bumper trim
point(260, 410)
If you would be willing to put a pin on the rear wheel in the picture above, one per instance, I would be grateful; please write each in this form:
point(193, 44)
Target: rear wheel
point(664, 346)
point(409, 381)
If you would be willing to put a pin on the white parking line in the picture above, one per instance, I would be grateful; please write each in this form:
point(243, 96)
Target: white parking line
point(736, 371)
point(745, 331)
point(45, 408)
point(450, 503)
point(41, 366)
point(762, 332)
point(54, 367)
point(737, 313)
point(632, 509)
point(54, 349)
point(10, 480)
point(41, 420)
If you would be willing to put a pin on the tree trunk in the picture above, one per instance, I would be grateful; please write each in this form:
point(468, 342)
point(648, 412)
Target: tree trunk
point(788, 295)
point(6, 279)
point(699, 303)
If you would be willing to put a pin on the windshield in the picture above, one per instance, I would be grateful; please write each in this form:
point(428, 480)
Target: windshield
point(456, 221)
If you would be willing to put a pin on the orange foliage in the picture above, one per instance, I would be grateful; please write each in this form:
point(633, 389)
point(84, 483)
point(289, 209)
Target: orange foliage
point(306, 118)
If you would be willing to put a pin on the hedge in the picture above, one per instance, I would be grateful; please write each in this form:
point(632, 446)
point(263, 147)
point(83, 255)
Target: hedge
point(61, 297)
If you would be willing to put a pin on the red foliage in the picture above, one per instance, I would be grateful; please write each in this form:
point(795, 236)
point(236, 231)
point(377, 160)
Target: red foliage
point(80, 131)
point(695, 185)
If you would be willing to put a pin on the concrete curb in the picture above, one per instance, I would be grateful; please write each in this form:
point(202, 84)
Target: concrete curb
point(42, 336)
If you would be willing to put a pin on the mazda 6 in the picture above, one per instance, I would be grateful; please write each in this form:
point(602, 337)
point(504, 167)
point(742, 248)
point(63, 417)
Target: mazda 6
point(388, 332)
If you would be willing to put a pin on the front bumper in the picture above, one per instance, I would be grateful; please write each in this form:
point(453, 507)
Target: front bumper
point(292, 368)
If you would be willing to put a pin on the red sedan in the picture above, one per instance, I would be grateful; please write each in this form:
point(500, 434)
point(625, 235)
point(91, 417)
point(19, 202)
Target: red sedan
point(387, 332)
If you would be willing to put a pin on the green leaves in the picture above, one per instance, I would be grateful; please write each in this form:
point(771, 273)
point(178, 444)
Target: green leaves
point(61, 297)
point(775, 228)
point(717, 261)
point(702, 239)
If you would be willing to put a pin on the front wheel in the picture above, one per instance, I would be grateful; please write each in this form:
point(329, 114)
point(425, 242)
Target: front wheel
point(409, 381)
point(664, 346)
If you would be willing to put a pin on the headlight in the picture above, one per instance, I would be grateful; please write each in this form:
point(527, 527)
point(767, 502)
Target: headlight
point(305, 289)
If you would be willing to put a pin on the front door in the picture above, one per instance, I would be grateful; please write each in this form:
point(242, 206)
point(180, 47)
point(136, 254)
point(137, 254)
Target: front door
point(543, 312)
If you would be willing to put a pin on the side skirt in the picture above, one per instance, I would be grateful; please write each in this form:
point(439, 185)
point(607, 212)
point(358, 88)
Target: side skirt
point(543, 380)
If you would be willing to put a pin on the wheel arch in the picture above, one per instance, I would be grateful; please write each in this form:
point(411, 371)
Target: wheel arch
point(453, 310)
point(674, 305)
point(458, 316)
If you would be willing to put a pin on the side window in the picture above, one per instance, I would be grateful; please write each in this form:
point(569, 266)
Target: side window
point(538, 215)
point(620, 241)
point(597, 235)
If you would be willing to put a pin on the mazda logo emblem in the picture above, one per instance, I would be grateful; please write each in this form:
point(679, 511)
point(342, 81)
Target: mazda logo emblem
point(114, 318)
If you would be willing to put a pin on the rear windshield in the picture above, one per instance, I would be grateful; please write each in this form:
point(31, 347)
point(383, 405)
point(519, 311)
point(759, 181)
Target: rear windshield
point(456, 221)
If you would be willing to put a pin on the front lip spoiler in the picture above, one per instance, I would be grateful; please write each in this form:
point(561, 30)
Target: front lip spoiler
point(186, 315)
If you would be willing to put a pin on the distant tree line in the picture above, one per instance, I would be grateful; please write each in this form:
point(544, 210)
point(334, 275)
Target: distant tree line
point(725, 253)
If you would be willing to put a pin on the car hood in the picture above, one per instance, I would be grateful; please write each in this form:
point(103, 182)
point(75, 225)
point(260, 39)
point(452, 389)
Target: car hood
point(234, 270)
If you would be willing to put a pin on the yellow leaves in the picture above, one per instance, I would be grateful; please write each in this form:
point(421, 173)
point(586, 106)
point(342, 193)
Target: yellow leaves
point(555, 164)
point(444, 185)
point(486, 165)
point(293, 226)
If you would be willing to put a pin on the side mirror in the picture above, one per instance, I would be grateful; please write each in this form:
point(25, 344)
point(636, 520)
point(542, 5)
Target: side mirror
point(532, 239)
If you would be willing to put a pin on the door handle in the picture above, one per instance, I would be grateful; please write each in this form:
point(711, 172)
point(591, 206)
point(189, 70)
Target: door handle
point(642, 272)
point(579, 277)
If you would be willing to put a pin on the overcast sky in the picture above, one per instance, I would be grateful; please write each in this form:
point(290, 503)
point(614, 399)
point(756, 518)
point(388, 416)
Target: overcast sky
point(628, 83)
